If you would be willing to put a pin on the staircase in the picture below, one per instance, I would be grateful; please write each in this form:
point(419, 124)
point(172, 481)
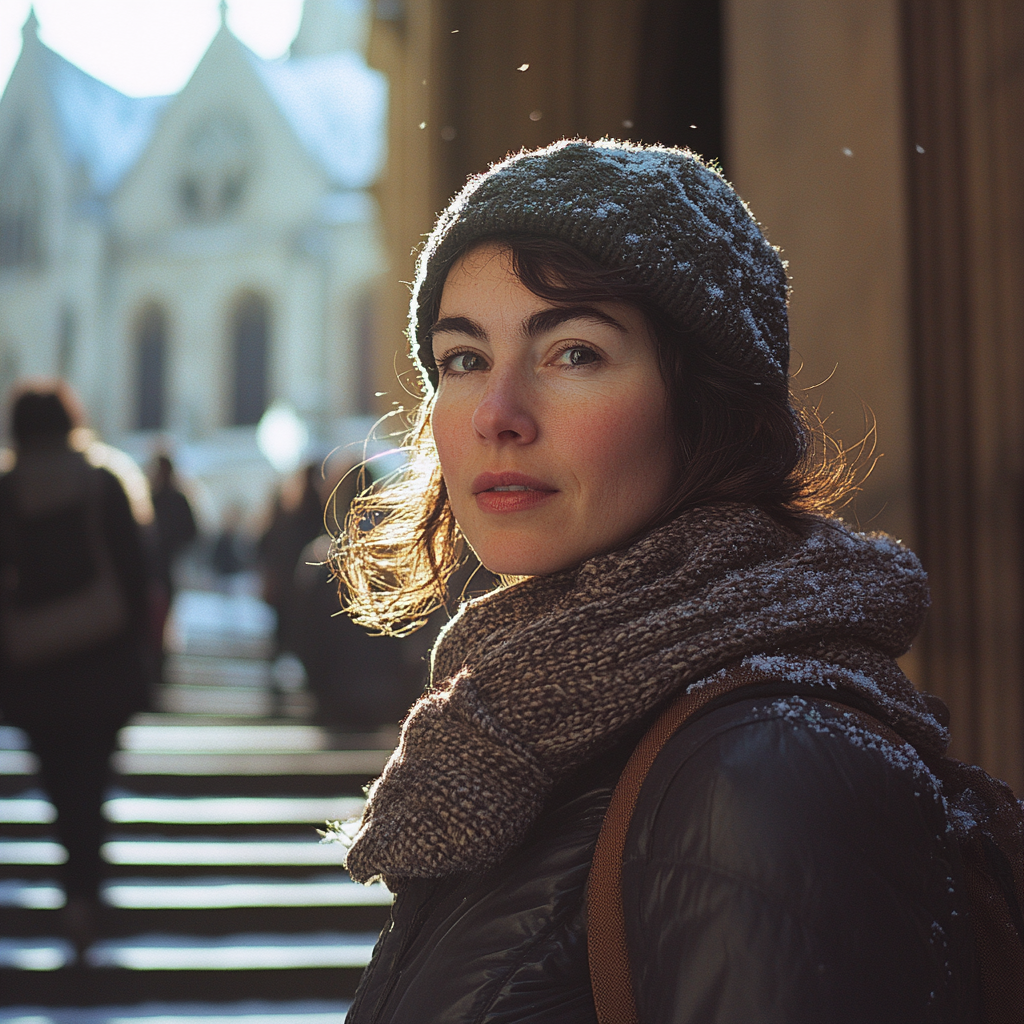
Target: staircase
point(218, 891)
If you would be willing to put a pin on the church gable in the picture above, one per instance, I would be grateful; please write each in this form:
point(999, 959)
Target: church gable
point(102, 132)
point(223, 153)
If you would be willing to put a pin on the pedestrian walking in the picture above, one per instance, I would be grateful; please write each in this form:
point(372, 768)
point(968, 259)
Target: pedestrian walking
point(174, 519)
point(73, 627)
point(174, 529)
point(297, 518)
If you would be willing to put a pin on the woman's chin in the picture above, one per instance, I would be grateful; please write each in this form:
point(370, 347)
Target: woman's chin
point(522, 562)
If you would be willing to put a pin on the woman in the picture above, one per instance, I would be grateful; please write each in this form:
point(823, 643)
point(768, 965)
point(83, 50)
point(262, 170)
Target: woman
point(73, 663)
point(603, 338)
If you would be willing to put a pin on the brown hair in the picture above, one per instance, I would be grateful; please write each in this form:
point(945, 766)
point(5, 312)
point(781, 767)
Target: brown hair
point(739, 437)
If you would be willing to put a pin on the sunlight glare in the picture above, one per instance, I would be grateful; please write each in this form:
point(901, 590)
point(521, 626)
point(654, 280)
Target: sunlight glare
point(145, 47)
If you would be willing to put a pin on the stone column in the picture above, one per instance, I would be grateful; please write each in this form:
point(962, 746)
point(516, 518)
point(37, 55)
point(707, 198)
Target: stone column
point(964, 63)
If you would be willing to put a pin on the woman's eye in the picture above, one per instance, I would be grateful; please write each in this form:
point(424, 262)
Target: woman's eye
point(462, 362)
point(578, 355)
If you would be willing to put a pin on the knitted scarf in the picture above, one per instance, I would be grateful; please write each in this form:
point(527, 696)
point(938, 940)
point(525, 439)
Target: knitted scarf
point(533, 681)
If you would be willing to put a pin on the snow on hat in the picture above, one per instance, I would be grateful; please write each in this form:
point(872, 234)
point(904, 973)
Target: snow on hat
point(661, 217)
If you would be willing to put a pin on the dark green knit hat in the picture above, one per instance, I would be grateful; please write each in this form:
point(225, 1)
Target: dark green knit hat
point(660, 216)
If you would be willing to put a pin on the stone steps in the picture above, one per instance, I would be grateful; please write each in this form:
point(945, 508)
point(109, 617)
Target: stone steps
point(221, 905)
point(215, 897)
point(219, 889)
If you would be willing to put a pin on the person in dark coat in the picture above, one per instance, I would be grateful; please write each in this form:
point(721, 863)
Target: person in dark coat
point(73, 626)
point(361, 682)
point(174, 528)
point(173, 517)
point(296, 520)
point(602, 336)
point(229, 555)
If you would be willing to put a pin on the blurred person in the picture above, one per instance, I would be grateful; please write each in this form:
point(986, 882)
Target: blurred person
point(174, 528)
point(73, 622)
point(297, 518)
point(360, 681)
point(174, 519)
point(230, 552)
point(607, 422)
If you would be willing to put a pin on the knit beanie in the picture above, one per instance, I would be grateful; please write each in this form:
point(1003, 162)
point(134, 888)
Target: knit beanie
point(660, 217)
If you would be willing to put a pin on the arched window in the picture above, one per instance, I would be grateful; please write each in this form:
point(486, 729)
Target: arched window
point(250, 333)
point(151, 356)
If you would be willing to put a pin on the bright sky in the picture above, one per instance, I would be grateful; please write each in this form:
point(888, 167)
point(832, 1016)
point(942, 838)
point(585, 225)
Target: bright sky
point(144, 47)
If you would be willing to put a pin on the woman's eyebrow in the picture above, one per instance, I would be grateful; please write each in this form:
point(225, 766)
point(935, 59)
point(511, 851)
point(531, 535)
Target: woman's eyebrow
point(458, 325)
point(548, 319)
point(537, 323)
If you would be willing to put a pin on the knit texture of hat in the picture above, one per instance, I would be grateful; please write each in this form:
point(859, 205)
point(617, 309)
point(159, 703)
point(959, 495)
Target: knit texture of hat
point(659, 216)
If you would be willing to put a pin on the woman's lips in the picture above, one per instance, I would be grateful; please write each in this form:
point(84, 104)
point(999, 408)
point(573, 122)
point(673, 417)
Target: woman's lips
point(510, 492)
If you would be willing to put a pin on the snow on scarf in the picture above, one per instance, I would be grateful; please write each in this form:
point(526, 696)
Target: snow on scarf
point(533, 681)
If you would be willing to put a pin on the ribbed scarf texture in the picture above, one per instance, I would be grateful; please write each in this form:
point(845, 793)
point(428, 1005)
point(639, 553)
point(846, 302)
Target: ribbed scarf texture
point(533, 681)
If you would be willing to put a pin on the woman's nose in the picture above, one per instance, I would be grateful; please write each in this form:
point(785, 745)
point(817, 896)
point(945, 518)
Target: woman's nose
point(503, 414)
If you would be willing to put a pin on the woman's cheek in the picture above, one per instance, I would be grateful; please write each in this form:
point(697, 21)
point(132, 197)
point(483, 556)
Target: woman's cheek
point(614, 432)
point(451, 432)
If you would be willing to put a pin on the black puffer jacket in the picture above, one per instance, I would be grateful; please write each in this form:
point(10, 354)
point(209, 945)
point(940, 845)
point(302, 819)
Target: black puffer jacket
point(781, 866)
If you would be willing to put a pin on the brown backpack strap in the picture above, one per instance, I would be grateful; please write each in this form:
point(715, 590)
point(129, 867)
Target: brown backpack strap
point(993, 888)
point(610, 975)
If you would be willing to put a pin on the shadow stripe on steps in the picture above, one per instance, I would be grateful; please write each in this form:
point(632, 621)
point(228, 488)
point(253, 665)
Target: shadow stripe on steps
point(161, 952)
point(32, 808)
point(249, 1012)
point(206, 893)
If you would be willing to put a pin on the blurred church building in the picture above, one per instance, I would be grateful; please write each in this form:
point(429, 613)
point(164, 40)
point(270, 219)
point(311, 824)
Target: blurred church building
point(188, 260)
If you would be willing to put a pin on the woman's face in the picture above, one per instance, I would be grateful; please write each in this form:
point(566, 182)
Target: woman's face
point(551, 420)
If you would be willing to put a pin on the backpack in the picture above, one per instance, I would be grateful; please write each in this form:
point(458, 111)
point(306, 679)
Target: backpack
point(59, 593)
point(987, 821)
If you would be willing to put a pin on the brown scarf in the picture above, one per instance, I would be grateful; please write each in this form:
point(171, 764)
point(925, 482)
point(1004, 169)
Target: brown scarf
point(533, 681)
